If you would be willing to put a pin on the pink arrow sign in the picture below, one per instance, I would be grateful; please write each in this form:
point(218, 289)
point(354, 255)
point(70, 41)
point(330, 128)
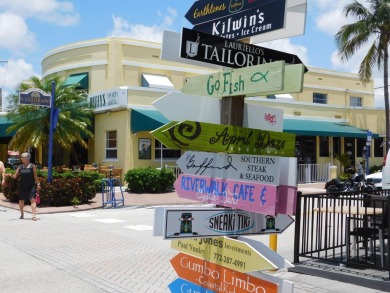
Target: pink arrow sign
point(253, 197)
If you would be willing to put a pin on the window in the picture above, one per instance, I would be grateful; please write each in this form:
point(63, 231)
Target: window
point(360, 144)
point(319, 98)
point(378, 147)
point(166, 153)
point(156, 81)
point(324, 146)
point(111, 145)
point(355, 102)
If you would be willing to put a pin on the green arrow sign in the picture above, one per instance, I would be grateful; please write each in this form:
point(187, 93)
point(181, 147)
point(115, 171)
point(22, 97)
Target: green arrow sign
point(264, 79)
point(158, 134)
point(229, 139)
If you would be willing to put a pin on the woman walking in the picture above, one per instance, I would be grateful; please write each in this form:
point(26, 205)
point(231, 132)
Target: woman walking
point(28, 184)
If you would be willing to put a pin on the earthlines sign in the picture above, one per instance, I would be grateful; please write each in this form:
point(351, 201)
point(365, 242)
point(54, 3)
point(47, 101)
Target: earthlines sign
point(258, 20)
point(208, 10)
point(229, 139)
point(212, 222)
point(183, 286)
point(217, 278)
point(266, 79)
point(253, 197)
point(220, 51)
point(260, 169)
point(226, 252)
point(35, 97)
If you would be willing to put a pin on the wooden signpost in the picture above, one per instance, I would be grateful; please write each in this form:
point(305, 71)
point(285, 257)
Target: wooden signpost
point(260, 169)
point(217, 278)
point(267, 79)
point(158, 134)
point(229, 139)
point(253, 197)
point(235, 255)
point(192, 222)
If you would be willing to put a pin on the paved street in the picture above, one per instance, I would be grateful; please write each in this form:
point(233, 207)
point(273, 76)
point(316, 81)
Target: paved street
point(104, 251)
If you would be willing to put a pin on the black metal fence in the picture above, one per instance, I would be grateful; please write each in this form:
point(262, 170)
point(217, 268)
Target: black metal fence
point(347, 228)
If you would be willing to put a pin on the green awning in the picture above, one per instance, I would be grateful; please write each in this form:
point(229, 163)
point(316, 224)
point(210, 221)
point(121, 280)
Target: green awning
point(79, 79)
point(146, 120)
point(323, 128)
point(4, 124)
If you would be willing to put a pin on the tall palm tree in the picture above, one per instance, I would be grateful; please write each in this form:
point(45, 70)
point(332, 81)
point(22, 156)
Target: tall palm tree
point(372, 25)
point(31, 123)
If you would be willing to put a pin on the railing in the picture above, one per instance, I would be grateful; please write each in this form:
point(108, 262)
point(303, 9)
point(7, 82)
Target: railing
point(176, 170)
point(348, 228)
point(309, 173)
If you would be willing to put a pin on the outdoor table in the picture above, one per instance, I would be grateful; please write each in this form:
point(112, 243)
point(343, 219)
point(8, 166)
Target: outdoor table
point(350, 210)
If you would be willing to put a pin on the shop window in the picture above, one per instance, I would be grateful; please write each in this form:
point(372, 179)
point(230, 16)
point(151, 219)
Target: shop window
point(166, 152)
point(156, 81)
point(324, 146)
point(319, 98)
point(111, 145)
point(378, 147)
point(355, 102)
point(360, 144)
point(336, 146)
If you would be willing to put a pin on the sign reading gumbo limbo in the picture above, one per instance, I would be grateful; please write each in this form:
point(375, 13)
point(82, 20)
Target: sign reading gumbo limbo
point(261, 19)
point(220, 51)
point(230, 139)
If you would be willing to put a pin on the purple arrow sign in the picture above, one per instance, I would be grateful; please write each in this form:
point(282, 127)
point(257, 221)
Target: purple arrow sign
point(253, 197)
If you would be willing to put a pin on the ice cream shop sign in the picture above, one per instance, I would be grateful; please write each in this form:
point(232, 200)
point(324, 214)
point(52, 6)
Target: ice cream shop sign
point(108, 100)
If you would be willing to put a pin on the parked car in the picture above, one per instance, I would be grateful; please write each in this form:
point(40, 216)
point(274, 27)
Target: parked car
point(375, 179)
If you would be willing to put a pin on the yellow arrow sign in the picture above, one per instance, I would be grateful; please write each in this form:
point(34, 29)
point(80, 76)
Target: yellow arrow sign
point(230, 253)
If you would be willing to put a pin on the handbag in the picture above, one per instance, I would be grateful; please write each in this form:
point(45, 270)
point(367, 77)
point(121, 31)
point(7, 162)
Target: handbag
point(37, 199)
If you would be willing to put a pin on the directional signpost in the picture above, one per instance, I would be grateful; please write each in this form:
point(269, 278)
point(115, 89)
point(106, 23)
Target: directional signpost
point(236, 255)
point(253, 197)
point(35, 97)
point(181, 285)
point(267, 79)
point(158, 134)
point(229, 139)
point(220, 51)
point(213, 222)
point(217, 278)
point(257, 20)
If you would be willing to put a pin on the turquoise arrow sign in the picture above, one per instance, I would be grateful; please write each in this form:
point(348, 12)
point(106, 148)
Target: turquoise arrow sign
point(180, 285)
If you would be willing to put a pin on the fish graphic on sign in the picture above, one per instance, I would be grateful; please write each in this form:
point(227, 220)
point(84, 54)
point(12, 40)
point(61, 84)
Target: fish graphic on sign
point(192, 47)
point(186, 224)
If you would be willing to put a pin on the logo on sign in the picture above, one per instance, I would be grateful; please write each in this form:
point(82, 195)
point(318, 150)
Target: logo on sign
point(236, 5)
point(271, 119)
point(192, 48)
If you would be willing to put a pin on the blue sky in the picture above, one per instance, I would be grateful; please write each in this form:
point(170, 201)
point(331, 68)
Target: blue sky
point(30, 28)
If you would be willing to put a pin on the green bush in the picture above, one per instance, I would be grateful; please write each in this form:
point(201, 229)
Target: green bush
point(66, 188)
point(149, 180)
point(375, 168)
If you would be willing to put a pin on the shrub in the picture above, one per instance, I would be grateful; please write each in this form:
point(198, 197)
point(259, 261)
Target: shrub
point(375, 168)
point(66, 188)
point(149, 180)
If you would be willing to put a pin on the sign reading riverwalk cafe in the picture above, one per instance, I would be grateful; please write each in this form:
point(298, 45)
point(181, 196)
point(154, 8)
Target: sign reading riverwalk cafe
point(34, 97)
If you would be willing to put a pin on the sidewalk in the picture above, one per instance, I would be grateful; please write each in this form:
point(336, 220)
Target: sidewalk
point(133, 199)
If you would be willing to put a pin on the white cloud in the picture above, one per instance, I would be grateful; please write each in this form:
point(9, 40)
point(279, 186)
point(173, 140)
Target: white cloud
point(14, 33)
point(14, 72)
point(153, 33)
point(51, 11)
point(285, 45)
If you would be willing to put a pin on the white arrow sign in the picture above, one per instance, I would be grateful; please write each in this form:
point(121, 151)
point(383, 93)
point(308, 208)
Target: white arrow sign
point(192, 222)
point(260, 169)
point(208, 110)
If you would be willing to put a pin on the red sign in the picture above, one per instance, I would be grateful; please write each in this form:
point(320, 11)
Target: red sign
point(217, 278)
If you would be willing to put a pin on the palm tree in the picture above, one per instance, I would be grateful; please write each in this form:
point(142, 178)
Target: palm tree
point(372, 25)
point(31, 123)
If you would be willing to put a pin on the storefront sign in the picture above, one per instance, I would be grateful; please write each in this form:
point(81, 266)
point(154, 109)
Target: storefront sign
point(183, 286)
point(260, 169)
point(264, 79)
point(217, 278)
point(212, 222)
point(108, 100)
point(220, 51)
point(226, 252)
point(265, 18)
point(35, 97)
point(253, 197)
point(230, 139)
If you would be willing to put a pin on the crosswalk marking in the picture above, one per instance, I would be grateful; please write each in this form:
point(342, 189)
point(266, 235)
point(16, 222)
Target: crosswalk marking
point(140, 227)
point(109, 221)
